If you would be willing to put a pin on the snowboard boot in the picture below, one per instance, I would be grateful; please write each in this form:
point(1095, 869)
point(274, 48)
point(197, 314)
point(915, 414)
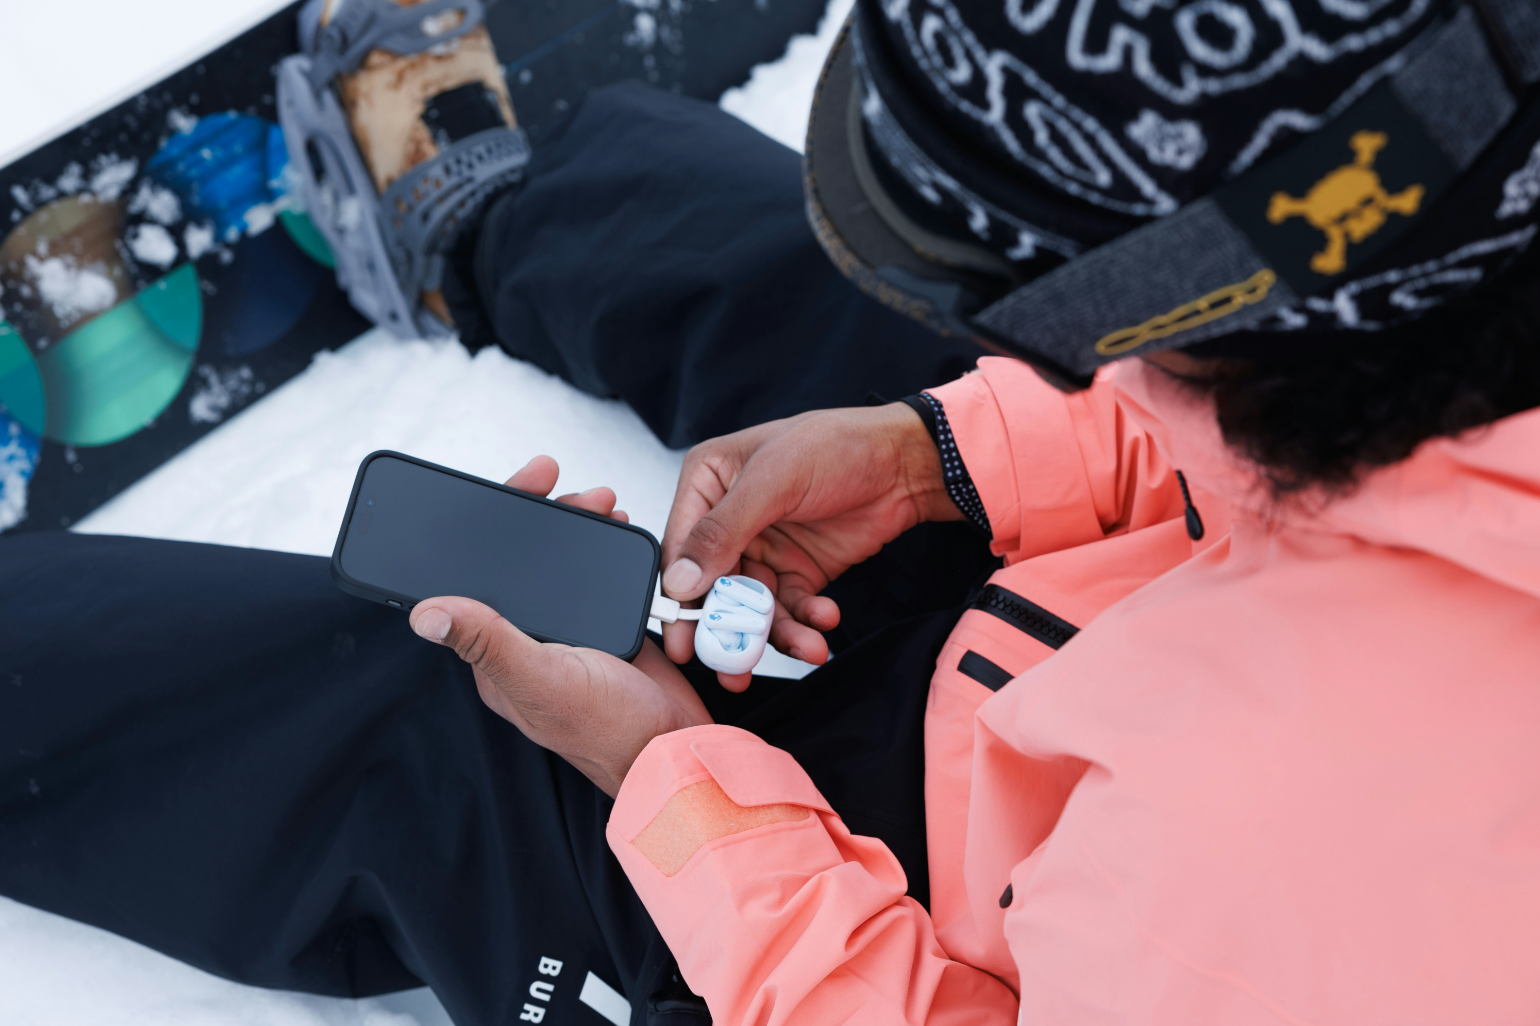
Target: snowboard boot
point(398, 123)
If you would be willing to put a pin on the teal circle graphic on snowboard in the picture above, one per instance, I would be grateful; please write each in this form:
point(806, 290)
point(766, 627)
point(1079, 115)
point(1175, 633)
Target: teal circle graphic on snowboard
point(307, 237)
point(21, 387)
point(112, 375)
point(296, 223)
point(21, 421)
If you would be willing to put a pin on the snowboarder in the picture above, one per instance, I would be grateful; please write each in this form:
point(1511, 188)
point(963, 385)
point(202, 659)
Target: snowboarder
point(1240, 731)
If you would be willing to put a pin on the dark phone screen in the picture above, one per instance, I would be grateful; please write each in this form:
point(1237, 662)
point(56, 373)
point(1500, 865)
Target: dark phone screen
point(419, 532)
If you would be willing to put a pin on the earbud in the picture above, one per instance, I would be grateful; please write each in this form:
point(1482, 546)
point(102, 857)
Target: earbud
point(734, 626)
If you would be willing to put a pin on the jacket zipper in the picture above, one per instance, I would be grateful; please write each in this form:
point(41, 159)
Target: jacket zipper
point(1025, 616)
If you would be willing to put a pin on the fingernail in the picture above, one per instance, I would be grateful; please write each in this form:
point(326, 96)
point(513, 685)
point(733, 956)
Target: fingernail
point(681, 577)
point(796, 653)
point(432, 624)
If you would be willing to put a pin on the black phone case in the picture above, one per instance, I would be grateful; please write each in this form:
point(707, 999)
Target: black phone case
point(396, 600)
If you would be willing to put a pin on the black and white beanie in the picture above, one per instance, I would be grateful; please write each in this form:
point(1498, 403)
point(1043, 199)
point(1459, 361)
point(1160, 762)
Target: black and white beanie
point(1044, 129)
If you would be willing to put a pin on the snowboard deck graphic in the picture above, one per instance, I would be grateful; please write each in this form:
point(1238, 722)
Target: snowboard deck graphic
point(157, 275)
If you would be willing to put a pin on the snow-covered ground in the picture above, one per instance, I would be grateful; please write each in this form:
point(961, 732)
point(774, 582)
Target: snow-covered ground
point(777, 96)
point(278, 474)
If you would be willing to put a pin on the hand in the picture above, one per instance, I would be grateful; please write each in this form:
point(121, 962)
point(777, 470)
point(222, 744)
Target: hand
point(594, 710)
point(793, 504)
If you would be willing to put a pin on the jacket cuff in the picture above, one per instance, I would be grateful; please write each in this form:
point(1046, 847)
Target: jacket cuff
point(748, 771)
point(979, 437)
point(954, 472)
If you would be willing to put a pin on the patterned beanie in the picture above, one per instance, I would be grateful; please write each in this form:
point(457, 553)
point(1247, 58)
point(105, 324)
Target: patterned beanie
point(1074, 180)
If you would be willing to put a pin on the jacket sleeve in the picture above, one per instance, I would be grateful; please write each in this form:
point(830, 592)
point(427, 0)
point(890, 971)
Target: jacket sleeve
point(795, 921)
point(1054, 470)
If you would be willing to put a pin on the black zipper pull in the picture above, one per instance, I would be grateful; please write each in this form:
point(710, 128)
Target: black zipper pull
point(1194, 522)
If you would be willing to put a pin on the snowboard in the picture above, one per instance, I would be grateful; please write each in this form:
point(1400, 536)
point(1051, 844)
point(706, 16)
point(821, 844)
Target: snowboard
point(158, 275)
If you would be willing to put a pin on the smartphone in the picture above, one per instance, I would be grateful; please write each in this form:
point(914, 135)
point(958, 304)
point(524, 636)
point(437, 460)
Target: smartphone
point(415, 530)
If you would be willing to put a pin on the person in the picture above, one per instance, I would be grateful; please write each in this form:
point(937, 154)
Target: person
point(1241, 731)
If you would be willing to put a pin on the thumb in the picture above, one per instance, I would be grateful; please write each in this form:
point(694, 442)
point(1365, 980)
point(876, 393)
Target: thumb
point(717, 540)
point(480, 636)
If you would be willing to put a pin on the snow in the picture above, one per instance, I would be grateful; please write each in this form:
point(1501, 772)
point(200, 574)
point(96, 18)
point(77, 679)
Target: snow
point(777, 96)
point(152, 244)
point(199, 239)
point(260, 218)
point(71, 180)
point(110, 175)
point(70, 290)
point(277, 474)
point(55, 972)
point(644, 31)
point(157, 201)
point(219, 392)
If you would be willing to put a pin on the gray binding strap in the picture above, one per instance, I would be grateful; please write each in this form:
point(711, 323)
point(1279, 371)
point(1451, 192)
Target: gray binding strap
point(339, 197)
point(363, 25)
point(426, 207)
point(1194, 275)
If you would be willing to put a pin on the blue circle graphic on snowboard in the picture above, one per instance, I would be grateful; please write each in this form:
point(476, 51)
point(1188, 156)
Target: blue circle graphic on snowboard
point(230, 170)
point(19, 449)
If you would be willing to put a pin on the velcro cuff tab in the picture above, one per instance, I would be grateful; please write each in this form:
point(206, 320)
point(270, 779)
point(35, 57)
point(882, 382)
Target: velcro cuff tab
point(754, 773)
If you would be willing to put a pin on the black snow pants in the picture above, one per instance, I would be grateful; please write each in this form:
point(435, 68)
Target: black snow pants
point(216, 753)
point(659, 251)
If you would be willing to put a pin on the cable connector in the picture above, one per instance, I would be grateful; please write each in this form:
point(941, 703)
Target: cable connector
point(667, 610)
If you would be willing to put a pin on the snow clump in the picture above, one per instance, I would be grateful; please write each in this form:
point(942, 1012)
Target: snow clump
point(181, 121)
point(219, 392)
point(70, 290)
point(644, 31)
point(72, 180)
point(199, 239)
point(110, 175)
point(152, 244)
point(156, 202)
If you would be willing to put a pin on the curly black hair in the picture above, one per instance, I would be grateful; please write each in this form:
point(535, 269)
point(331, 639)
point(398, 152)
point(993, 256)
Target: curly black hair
point(1346, 403)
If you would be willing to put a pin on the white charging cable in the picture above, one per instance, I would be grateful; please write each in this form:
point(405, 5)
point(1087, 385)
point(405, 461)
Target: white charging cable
point(733, 625)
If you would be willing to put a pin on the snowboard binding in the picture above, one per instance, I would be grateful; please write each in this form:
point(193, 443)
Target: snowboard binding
point(388, 239)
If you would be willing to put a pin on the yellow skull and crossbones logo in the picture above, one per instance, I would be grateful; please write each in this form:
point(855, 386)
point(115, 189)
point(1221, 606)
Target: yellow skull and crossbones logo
point(1349, 204)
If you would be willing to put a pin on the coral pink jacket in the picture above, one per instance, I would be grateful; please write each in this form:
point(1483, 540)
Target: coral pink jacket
point(1288, 774)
